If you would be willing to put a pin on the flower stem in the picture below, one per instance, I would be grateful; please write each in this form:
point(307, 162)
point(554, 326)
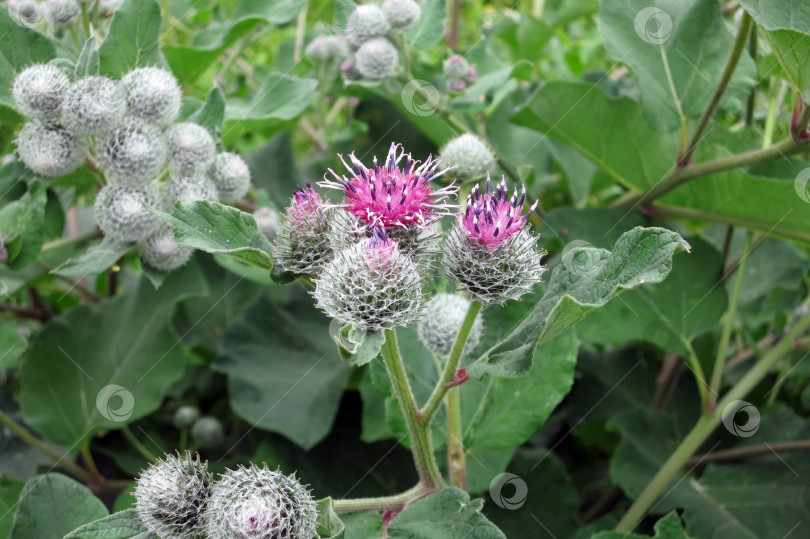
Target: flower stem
point(725, 78)
point(705, 426)
point(749, 451)
point(452, 364)
point(430, 478)
point(456, 461)
point(722, 348)
point(381, 503)
point(136, 443)
point(38, 444)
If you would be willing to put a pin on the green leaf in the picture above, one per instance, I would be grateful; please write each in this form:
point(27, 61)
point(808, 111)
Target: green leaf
point(121, 525)
point(96, 259)
point(668, 527)
point(12, 344)
point(641, 256)
point(212, 114)
point(22, 224)
point(53, 505)
point(216, 228)
point(71, 390)
point(357, 347)
point(329, 524)
point(280, 97)
point(9, 494)
point(133, 39)
point(20, 47)
point(273, 168)
point(366, 525)
point(448, 514)
point(88, 62)
point(282, 364)
point(786, 26)
point(677, 50)
point(429, 29)
point(273, 11)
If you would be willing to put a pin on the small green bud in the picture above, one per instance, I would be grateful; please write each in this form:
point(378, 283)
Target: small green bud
point(376, 58)
point(49, 149)
point(208, 431)
point(185, 416)
point(39, 91)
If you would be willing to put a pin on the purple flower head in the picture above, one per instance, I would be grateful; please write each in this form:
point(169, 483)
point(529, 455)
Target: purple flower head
point(390, 196)
point(304, 204)
point(490, 218)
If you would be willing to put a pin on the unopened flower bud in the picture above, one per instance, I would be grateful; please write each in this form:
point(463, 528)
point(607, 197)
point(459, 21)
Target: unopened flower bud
point(376, 58)
point(162, 252)
point(456, 67)
point(267, 221)
point(457, 85)
point(49, 149)
point(208, 431)
point(191, 149)
point(489, 252)
point(402, 14)
point(153, 95)
point(259, 503)
point(133, 153)
point(185, 416)
point(25, 12)
point(93, 105)
point(171, 495)
point(62, 12)
point(302, 243)
point(39, 91)
point(371, 284)
point(367, 21)
point(469, 156)
point(444, 315)
point(324, 48)
point(231, 175)
point(122, 217)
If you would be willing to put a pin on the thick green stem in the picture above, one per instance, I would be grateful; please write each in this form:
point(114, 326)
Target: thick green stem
point(36, 443)
point(136, 443)
point(381, 503)
point(728, 324)
point(705, 426)
point(421, 443)
point(452, 364)
point(456, 461)
point(725, 78)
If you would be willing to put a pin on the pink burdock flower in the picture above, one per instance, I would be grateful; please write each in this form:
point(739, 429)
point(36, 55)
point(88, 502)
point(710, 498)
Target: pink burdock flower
point(393, 196)
point(490, 219)
point(490, 252)
point(301, 243)
point(371, 284)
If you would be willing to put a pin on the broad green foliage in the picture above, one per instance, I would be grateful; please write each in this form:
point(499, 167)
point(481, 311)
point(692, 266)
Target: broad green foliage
point(96, 259)
point(121, 525)
point(445, 515)
point(19, 47)
point(133, 40)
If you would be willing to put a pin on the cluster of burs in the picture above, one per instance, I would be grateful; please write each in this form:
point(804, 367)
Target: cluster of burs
point(57, 13)
point(129, 128)
point(178, 498)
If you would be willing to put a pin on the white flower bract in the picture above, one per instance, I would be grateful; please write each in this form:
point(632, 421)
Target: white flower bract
point(444, 315)
point(191, 149)
point(259, 503)
point(171, 495)
point(231, 175)
point(49, 149)
point(469, 155)
point(39, 91)
point(133, 153)
point(376, 58)
point(367, 21)
point(122, 217)
point(153, 94)
point(93, 105)
point(402, 14)
point(161, 251)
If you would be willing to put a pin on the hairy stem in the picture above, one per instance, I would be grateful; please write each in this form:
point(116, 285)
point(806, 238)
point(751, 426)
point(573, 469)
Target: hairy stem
point(705, 426)
point(418, 431)
point(38, 444)
point(725, 78)
point(381, 503)
point(456, 460)
point(728, 324)
point(450, 368)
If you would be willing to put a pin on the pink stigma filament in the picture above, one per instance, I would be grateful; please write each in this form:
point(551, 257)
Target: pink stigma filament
point(490, 218)
point(380, 251)
point(388, 196)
